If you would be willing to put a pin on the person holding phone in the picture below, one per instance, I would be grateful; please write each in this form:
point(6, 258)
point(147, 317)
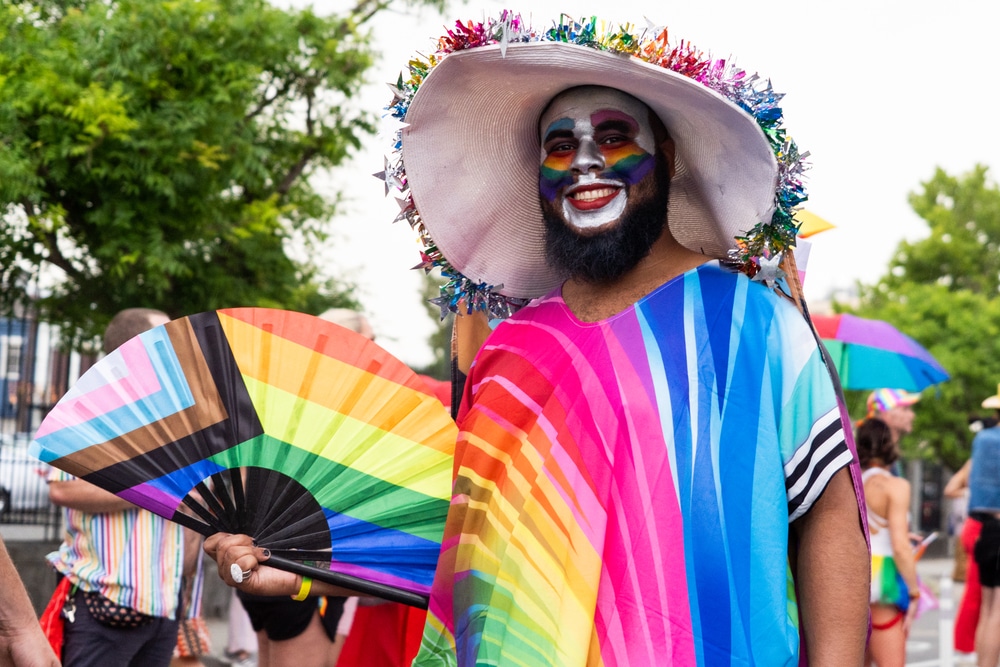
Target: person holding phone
point(894, 586)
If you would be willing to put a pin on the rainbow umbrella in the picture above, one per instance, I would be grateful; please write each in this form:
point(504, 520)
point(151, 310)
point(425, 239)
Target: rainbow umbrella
point(296, 431)
point(870, 354)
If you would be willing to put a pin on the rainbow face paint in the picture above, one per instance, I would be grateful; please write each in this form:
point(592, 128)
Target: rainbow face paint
point(596, 143)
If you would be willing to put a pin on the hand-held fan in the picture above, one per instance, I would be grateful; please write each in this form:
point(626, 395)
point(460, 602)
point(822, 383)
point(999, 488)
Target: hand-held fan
point(298, 432)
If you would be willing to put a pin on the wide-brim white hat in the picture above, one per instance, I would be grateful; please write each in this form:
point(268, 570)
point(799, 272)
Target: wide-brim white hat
point(471, 150)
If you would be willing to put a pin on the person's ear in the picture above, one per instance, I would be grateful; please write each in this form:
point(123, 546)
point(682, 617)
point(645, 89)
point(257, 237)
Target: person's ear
point(669, 150)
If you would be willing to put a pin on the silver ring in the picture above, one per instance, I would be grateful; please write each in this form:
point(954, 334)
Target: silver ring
point(237, 573)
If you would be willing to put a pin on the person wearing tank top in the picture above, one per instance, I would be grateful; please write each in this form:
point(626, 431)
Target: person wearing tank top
point(894, 585)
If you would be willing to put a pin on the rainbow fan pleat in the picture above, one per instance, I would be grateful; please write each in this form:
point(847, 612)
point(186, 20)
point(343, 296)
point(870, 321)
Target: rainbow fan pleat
point(311, 438)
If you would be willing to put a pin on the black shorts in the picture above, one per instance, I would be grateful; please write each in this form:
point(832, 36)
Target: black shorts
point(987, 553)
point(284, 618)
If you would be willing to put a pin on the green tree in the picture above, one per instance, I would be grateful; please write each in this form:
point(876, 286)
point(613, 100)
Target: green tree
point(961, 252)
point(943, 292)
point(157, 153)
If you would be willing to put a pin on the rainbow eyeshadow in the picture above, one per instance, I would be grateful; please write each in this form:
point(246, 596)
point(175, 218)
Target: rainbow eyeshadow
point(556, 169)
point(624, 161)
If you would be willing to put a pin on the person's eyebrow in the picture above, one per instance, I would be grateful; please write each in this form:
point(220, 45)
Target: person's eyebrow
point(557, 134)
point(561, 129)
point(617, 126)
point(610, 119)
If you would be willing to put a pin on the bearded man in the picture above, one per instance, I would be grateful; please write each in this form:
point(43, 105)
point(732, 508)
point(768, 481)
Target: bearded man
point(653, 467)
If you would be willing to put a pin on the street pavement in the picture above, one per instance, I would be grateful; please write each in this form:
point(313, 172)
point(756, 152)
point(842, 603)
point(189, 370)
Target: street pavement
point(930, 643)
point(219, 633)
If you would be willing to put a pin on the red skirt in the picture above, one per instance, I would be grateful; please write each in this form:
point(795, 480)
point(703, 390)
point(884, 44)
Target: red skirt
point(968, 610)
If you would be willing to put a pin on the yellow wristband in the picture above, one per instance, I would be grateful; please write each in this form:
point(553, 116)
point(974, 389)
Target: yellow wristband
point(303, 593)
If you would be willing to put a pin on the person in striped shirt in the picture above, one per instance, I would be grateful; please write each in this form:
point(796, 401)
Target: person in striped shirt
point(125, 564)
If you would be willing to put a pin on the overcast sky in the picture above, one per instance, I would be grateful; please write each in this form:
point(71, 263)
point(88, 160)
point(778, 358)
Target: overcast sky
point(880, 92)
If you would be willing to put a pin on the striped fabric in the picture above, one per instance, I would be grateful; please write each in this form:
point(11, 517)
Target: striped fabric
point(624, 488)
point(133, 557)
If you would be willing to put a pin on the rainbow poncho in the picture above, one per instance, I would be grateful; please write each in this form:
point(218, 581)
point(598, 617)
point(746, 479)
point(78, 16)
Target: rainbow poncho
point(623, 488)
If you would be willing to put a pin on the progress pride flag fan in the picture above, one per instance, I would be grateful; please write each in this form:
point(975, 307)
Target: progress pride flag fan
point(298, 432)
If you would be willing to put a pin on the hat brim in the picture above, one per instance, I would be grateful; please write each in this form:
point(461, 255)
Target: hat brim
point(992, 402)
point(472, 154)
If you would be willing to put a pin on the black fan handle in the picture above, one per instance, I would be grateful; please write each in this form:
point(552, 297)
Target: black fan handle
point(347, 581)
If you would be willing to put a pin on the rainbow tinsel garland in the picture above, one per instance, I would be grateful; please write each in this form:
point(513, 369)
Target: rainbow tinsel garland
point(767, 239)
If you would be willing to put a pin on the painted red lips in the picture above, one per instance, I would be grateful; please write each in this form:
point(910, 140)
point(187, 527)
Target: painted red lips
point(592, 197)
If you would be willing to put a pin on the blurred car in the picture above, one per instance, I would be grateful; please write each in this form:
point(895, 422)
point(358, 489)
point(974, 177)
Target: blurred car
point(22, 477)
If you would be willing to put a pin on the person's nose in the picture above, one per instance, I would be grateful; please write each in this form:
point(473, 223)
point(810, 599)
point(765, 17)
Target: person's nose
point(588, 156)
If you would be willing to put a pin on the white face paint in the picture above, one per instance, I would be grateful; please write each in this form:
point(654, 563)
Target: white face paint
point(596, 143)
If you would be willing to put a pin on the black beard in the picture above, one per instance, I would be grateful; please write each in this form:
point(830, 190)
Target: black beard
point(607, 256)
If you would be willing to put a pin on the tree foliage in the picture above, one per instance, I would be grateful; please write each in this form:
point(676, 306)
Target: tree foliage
point(157, 153)
point(961, 252)
point(943, 292)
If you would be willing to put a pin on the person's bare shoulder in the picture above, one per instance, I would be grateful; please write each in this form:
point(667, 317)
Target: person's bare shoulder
point(882, 490)
point(897, 489)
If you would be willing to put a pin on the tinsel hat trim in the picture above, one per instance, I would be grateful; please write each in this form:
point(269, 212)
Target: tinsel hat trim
point(465, 156)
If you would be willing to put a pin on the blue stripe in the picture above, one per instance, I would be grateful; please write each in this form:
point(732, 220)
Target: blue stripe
point(664, 314)
point(737, 401)
point(382, 549)
point(180, 482)
point(738, 467)
point(722, 286)
point(708, 557)
point(173, 396)
point(708, 547)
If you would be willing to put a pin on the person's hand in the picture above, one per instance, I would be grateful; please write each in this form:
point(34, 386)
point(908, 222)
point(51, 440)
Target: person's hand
point(240, 565)
point(26, 647)
point(911, 615)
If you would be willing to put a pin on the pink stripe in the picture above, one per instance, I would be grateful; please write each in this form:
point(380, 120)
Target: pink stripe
point(631, 546)
point(152, 499)
point(579, 498)
point(591, 513)
point(379, 577)
point(127, 377)
point(650, 455)
point(568, 391)
point(653, 601)
point(644, 562)
point(452, 542)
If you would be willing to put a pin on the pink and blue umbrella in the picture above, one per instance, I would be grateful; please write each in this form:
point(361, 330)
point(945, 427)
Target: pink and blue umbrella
point(870, 354)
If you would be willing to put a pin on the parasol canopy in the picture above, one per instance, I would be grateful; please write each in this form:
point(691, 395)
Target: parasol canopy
point(282, 426)
point(870, 354)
